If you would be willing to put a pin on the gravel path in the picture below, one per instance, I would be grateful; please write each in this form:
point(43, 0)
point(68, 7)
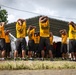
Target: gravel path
point(39, 72)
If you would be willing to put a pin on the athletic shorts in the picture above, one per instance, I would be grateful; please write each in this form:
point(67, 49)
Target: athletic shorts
point(36, 47)
point(63, 48)
point(72, 45)
point(44, 42)
point(2, 44)
point(31, 45)
point(8, 47)
point(20, 44)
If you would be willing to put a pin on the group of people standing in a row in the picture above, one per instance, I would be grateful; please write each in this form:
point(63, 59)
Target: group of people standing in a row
point(5, 46)
point(38, 41)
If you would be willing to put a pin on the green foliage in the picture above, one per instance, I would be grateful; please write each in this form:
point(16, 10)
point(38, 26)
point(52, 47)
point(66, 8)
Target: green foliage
point(3, 15)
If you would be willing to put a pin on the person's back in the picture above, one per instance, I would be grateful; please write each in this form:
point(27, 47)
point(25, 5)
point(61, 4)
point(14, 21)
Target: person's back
point(44, 27)
point(20, 34)
point(64, 44)
point(72, 40)
point(8, 43)
point(30, 32)
point(2, 40)
point(21, 29)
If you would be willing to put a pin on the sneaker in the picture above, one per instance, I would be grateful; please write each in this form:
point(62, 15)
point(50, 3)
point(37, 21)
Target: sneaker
point(15, 58)
point(31, 58)
point(42, 59)
point(23, 58)
point(2, 59)
point(63, 59)
point(71, 59)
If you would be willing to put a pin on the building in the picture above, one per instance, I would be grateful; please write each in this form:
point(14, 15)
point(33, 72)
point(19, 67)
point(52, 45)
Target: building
point(55, 25)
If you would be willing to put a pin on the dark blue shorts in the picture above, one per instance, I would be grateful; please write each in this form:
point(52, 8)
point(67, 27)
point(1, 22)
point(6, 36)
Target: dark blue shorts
point(72, 45)
point(44, 42)
point(2, 44)
point(31, 45)
point(63, 48)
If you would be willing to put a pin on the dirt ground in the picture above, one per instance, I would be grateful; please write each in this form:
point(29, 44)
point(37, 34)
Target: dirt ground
point(39, 72)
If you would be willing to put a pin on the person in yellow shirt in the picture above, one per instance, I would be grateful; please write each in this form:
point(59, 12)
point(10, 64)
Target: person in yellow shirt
point(30, 32)
point(36, 41)
point(21, 42)
point(2, 40)
point(44, 27)
point(72, 40)
point(75, 45)
point(8, 43)
point(64, 44)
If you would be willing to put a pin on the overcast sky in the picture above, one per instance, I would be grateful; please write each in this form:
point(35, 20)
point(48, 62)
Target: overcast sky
point(58, 9)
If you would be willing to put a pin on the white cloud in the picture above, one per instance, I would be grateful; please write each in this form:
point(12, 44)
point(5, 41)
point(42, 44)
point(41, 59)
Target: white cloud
point(11, 18)
point(59, 9)
point(45, 11)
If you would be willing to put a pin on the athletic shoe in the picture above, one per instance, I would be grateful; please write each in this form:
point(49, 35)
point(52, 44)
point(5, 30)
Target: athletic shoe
point(31, 58)
point(63, 58)
point(23, 58)
point(2, 59)
point(15, 58)
point(42, 59)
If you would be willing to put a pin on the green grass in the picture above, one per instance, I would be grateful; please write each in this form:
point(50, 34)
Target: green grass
point(36, 65)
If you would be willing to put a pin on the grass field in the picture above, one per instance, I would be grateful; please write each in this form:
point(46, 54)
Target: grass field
point(36, 65)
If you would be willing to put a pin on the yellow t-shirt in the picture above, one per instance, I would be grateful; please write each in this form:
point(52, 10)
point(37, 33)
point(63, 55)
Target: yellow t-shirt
point(44, 29)
point(21, 30)
point(75, 34)
point(7, 39)
point(51, 40)
point(71, 32)
point(31, 34)
point(64, 39)
point(36, 39)
point(2, 33)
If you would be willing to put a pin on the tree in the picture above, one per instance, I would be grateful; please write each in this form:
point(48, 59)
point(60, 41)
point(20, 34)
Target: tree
point(3, 15)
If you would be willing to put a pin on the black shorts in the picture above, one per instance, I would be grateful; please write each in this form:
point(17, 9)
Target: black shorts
point(44, 42)
point(31, 45)
point(72, 45)
point(63, 48)
point(36, 47)
point(2, 44)
point(8, 47)
point(21, 44)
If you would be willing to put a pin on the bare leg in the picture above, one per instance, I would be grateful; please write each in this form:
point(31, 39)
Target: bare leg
point(30, 54)
point(23, 53)
point(3, 54)
point(72, 55)
point(63, 56)
point(15, 54)
point(51, 55)
point(42, 54)
point(0, 53)
point(75, 56)
point(66, 55)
